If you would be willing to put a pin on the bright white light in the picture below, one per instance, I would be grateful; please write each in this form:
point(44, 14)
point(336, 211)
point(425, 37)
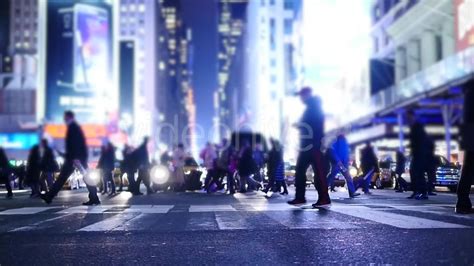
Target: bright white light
point(92, 178)
point(159, 174)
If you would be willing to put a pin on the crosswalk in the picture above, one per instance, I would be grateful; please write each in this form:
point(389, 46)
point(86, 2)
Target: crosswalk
point(149, 218)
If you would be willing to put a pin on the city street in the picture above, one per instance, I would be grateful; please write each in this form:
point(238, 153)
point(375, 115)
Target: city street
point(196, 228)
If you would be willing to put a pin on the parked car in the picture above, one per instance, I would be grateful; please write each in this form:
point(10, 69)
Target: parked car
point(447, 174)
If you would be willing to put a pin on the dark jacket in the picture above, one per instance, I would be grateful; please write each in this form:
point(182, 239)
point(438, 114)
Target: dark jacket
point(5, 167)
point(107, 158)
point(275, 157)
point(368, 160)
point(312, 125)
point(247, 165)
point(419, 142)
point(401, 161)
point(76, 148)
point(48, 161)
point(33, 168)
point(467, 129)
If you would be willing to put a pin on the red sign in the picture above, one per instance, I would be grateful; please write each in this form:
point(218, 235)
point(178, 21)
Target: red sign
point(464, 24)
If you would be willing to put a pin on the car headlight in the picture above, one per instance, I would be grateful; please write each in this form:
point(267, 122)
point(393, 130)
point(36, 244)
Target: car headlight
point(187, 172)
point(92, 177)
point(159, 174)
point(353, 171)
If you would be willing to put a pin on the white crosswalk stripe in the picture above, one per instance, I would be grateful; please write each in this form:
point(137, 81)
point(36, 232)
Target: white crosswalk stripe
point(393, 219)
point(109, 223)
point(26, 210)
point(235, 217)
point(211, 208)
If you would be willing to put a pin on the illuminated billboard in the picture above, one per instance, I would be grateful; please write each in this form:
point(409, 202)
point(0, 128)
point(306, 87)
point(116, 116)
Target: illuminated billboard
point(79, 60)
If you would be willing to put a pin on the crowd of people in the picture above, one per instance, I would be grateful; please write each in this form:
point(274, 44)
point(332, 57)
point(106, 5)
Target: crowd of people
point(243, 167)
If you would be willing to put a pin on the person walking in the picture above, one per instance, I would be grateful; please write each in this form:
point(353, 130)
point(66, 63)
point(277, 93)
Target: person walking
point(179, 156)
point(33, 171)
point(369, 166)
point(125, 168)
point(339, 156)
point(311, 129)
point(209, 156)
point(247, 167)
point(276, 169)
point(418, 143)
point(259, 158)
point(400, 183)
point(107, 164)
point(143, 166)
point(431, 166)
point(76, 154)
point(48, 166)
point(5, 172)
point(463, 204)
point(224, 163)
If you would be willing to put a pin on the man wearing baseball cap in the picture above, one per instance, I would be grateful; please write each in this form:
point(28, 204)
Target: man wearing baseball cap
point(311, 127)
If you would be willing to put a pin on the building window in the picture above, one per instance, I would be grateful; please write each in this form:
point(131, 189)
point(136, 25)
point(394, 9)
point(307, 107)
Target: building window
point(288, 4)
point(288, 26)
point(262, 2)
point(273, 79)
point(273, 62)
point(439, 48)
point(272, 2)
point(402, 64)
point(376, 44)
point(272, 34)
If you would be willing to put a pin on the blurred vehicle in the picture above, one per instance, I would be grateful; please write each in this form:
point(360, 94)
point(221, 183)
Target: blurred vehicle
point(386, 177)
point(190, 165)
point(447, 174)
point(290, 171)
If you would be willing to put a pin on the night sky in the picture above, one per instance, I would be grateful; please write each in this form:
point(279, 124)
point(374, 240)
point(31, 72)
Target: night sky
point(201, 16)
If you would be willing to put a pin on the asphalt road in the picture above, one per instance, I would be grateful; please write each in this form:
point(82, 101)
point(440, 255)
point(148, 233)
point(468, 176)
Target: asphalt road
point(196, 228)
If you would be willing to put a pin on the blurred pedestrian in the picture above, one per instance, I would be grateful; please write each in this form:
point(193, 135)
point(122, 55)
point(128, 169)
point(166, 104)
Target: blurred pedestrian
point(431, 166)
point(369, 166)
point(224, 164)
point(144, 167)
point(33, 171)
point(179, 157)
point(259, 158)
point(209, 157)
point(311, 129)
point(107, 165)
point(247, 168)
point(339, 154)
point(419, 153)
point(276, 169)
point(125, 168)
point(464, 205)
point(76, 155)
point(5, 172)
point(49, 166)
point(400, 183)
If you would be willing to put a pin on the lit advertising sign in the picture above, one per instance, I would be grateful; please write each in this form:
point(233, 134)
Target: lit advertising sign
point(464, 10)
point(18, 141)
point(93, 133)
point(78, 74)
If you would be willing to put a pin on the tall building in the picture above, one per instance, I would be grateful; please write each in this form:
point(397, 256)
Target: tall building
point(19, 53)
point(231, 28)
point(5, 60)
point(176, 66)
point(421, 58)
point(139, 24)
point(272, 47)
